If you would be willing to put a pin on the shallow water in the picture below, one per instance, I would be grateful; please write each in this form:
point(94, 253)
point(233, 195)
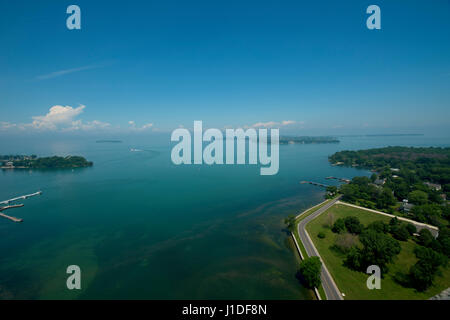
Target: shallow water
point(140, 227)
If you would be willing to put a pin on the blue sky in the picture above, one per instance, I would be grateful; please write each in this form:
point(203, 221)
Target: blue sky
point(156, 65)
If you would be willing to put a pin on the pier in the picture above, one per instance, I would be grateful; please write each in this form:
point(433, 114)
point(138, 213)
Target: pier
point(6, 202)
point(21, 197)
point(10, 218)
point(314, 183)
point(339, 179)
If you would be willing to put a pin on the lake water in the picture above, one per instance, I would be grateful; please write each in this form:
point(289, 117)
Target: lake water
point(140, 227)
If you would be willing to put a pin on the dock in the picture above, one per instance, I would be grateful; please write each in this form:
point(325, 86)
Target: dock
point(314, 183)
point(21, 197)
point(8, 206)
point(339, 179)
point(10, 218)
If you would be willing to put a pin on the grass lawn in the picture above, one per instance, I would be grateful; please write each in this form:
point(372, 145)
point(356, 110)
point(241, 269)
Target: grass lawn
point(353, 283)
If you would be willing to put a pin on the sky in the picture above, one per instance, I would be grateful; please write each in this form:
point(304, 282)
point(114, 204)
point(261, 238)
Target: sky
point(149, 66)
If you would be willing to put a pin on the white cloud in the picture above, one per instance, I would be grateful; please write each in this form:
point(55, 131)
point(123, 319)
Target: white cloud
point(58, 118)
point(66, 71)
point(6, 125)
point(265, 124)
point(136, 128)
point(273, 124)
point(90, 125)
point(57, 115)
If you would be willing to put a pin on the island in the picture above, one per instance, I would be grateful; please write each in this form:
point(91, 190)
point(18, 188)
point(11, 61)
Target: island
point(34, 162)
point(108, 141)
point(307, 139)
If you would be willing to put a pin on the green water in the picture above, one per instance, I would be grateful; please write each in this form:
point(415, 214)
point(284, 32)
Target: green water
point(140, 227)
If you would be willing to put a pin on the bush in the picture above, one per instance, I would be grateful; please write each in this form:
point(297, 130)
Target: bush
point(353, 225)
point(321, 235)
point(338, 226)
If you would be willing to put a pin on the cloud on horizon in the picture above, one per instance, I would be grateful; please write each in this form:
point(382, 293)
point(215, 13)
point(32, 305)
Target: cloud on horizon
point(58, 118)
point(274, 124)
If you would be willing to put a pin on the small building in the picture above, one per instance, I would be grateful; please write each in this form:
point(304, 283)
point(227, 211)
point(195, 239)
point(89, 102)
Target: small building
point(406, 207)
point(395, 169)
point(380, 182)
point(9, 164)
point(433, 186)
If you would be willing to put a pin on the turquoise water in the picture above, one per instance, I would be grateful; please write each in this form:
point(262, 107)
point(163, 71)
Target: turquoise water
point(140, 227)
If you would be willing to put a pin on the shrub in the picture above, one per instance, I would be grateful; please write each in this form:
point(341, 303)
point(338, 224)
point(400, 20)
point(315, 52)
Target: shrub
point(321, 235)
point(339, 226)
point(353, 225)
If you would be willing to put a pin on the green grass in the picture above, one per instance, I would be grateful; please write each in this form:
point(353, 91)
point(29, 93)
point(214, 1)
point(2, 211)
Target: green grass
point(353, 283)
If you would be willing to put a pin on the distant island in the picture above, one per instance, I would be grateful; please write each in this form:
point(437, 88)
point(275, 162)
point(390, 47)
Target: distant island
point(108, 141)
point(34, 162)
point(307, 140)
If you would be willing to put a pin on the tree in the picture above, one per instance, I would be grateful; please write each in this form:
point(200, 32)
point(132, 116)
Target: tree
point(423, 272)
point(353, 225)
point(379, 226)
point(418, 197)
point(332, 189)
point(429, 213)
point(444, 240)
point(338, 226)
point(310, 268)
point(425, 237)
point(373, 177)
point(385, 199)
point(350, 192)
point(411, 228)
point(400, 232)
point(290, 223)
point(378, 248)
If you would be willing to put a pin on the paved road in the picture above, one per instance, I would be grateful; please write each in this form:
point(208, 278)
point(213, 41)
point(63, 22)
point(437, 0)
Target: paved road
point(331, 290)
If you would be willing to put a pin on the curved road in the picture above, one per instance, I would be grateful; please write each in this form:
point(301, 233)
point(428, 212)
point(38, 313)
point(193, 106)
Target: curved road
point(331, 290)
